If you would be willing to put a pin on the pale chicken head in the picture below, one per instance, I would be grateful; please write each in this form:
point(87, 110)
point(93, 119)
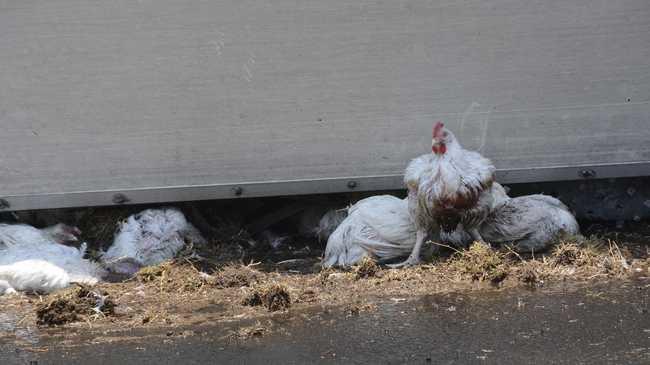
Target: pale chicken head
point(63, 233)
point(442, 139)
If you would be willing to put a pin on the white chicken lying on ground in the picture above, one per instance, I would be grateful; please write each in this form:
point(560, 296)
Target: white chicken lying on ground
point(22, 234)
point(32, 276)
point(32, 259)
point(69, 259)
point(149, 238)
point(379, 227)
point(529, 223)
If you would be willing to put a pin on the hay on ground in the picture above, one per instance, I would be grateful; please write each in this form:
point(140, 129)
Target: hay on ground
point(171, 276)
point(481, 262)
point(235, 276)
point(366, 268)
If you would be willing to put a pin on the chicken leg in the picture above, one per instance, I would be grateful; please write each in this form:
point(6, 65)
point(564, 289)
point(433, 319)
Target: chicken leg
point(414, 257)
point(475, 235)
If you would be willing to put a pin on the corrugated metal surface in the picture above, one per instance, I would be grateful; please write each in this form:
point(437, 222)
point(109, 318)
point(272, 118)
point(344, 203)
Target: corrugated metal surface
point(146, 95)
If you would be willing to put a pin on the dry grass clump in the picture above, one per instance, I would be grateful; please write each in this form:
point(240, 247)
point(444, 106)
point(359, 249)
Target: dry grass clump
point(480, 262)
point(531, 272)
point(576, 257)
point(273, 296)
point(366, 268)
point(172, 276)
point(576, 252)
point(590, 255)
point(153, 273)
point(78, 303)
point(235, 276)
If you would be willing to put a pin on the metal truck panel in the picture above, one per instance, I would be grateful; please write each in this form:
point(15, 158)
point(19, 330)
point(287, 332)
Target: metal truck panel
point(181, 100)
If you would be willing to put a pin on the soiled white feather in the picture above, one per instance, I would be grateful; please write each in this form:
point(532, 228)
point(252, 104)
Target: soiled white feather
point(151, 237)
point(529, 223)
point(34, 276)
point(458, 172)
point(329, 222)
point(379, 227)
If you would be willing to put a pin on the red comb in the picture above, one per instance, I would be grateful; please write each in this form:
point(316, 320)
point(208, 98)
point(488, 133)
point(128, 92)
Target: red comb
point(437, 129)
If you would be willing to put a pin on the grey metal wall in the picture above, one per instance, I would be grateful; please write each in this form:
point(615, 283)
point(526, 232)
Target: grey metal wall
point(173, 100)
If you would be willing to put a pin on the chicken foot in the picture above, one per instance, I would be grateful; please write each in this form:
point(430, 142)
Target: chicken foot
point(414, 257)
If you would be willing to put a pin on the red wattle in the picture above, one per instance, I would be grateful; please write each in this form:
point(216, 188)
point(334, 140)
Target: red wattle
point(439, 149)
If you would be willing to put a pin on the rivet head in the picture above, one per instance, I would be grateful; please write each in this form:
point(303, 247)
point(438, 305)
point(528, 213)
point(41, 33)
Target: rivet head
point(4, 204)
point(587, 173)
point(238, 190)
point(120, 199)
point(352, 184)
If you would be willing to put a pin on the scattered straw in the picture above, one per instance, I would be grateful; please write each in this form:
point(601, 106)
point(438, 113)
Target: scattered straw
point(481, 262)
point(172, 276)
point(235, 276)
point(366, 268)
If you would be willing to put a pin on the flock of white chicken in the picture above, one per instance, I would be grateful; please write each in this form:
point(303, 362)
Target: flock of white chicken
point(453, 198)
point(42, 260)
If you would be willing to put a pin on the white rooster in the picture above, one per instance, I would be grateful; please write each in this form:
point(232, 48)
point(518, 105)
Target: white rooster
point(379, 227)
point(529, 223)
point(447, 188)
point(149, 238)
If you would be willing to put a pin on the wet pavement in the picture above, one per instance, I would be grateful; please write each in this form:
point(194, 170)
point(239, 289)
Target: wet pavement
point(596, 324)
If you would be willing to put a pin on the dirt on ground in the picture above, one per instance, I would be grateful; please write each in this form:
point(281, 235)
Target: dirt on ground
point(272, 296)
point(80, 303)
point(236, 279)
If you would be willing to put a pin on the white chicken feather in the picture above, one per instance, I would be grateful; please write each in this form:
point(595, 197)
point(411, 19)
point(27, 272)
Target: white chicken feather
point(379, 227)
point(151, 237)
